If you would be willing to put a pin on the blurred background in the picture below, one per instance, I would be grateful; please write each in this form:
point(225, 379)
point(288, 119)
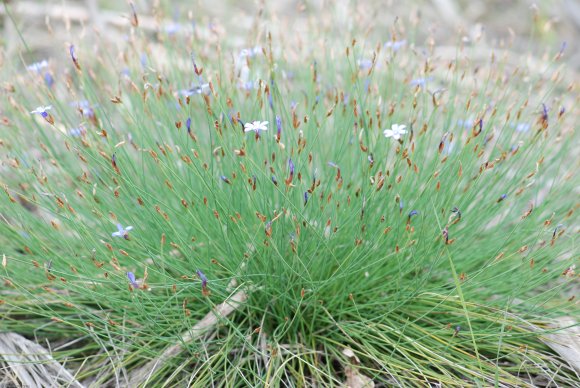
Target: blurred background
point(529, 27)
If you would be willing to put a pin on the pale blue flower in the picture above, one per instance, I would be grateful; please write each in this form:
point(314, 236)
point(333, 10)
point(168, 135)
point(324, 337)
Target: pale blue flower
point(77, 132)
point(396, 45)
point(467, 123)
point(420, 81)
point(365, 64)
point(84, 107)
point(122, 232)
point(42, 110)
point(172, 28)
point(523, 127)
point(201, 89)
point(38, 66)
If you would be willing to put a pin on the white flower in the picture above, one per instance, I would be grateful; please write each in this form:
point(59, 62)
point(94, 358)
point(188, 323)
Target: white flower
point(122, 232)
point(41, 110)
point(256, 126)
point(395, 132)
point(250, 52)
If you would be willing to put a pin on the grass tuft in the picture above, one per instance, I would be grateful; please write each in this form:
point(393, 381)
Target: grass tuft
point(182, 209)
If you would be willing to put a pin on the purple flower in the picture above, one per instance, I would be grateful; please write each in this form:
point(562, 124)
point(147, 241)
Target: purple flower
point(561, 111)
point(274, 180)
point(291, 166)
point(71, 50)
point(202, 277)
point(188, 124)
point(278, 128)
point(132, 280)
point(544, 112)
point(413, 213)
point(305, 198)
point(563, 47)
point(48, 80)
point(122, 232)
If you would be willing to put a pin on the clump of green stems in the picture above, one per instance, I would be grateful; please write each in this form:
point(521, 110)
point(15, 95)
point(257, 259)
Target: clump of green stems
point(439, 257)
